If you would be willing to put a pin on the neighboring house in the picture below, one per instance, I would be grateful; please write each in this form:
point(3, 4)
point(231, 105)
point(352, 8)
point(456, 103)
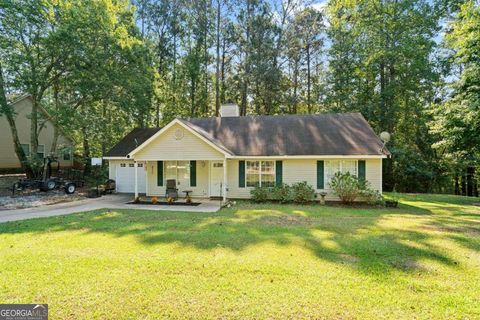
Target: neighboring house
point(228, 156)
point(23, 109)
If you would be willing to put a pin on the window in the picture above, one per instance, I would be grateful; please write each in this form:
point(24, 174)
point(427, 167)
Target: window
point(218, 164)
point(131, 165)
point(140, 165)
point(334, 166)
point(267, 178)
point(67, 154)
point(123, 165)
point(41, 151)
point(253, 173)
point(178, 170)
point(26, 149)
point(260, 173)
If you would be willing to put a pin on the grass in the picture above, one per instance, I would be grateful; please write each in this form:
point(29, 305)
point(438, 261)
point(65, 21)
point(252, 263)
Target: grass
point(421, 260)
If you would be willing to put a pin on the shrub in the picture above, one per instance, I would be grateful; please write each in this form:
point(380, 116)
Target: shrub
point(346, 186)
point(259, 194)
point(372, 197)
point(282, 193)
point(302, 192)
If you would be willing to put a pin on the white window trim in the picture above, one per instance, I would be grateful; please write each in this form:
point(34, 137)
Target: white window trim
point(260, 172)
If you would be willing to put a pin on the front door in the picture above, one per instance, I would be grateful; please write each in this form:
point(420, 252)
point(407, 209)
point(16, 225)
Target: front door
point(216, 178)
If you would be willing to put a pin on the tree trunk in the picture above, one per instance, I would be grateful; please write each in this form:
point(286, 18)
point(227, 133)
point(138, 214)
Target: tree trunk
point(295, 88)
point(222, 92)
point(86, 151)
point(309, 85)
point(470, 175)
point(34, 128)
point(217, 73)
point(457, 185)
point(205, 57)
point(157, 121)
point(9, 114)
point(53, 148)
point(243, 105)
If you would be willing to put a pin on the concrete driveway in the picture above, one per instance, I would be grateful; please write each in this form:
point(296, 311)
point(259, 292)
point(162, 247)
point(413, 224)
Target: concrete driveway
point(116, 201)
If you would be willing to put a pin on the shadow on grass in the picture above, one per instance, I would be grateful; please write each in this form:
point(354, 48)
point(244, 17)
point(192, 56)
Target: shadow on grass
point(357, 238)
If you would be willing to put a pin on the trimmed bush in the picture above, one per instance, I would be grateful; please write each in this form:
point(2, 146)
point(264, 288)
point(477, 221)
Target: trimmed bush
point(282, 193)
point(302, 192)
point(346, 186)
point(259, 194)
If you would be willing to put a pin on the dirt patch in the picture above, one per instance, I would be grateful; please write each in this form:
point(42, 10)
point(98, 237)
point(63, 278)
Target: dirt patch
point(37, 199)
point(6, 182)
point(347, 258)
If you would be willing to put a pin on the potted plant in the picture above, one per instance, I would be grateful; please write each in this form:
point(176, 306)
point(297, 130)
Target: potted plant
point(154, 200)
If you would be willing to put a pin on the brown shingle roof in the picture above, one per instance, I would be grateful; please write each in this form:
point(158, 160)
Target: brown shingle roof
point(293, 135)
point(132, 140)
point(289, 135)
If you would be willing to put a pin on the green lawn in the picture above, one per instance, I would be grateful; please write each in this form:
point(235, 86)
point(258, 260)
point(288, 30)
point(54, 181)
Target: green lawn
point(421, 260)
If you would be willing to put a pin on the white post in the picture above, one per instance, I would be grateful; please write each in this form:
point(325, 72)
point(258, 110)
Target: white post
point(136, 179)
point(224, 191)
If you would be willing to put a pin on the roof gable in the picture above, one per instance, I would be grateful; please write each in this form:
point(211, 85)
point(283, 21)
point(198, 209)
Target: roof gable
point(131, 141)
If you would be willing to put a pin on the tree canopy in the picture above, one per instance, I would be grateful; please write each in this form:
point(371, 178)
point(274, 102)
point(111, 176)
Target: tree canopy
point(410, 67)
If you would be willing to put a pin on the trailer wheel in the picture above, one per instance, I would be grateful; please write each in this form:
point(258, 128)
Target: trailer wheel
point(70, 188)
point(48, 185)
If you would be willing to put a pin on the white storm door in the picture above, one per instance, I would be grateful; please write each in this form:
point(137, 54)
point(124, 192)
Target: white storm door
point(216, 178)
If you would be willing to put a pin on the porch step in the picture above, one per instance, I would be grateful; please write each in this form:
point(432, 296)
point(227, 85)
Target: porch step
point(216, 198)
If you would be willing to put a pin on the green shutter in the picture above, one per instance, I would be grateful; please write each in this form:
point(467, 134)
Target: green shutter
point(278, 172)
point(160, 173)
point(193, 173)
point(361, 170)
point(320, 175)
point(241, 174)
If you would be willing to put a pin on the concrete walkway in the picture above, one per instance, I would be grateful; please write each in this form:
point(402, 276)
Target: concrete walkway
point(117, 201)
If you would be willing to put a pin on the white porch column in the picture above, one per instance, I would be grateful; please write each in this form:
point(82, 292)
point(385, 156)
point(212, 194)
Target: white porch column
point(136, 178)
point(224, 191)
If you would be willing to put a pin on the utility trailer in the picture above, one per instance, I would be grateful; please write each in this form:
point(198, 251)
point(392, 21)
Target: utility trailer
point(45, 181)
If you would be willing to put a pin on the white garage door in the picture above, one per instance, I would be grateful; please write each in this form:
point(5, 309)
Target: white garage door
point(126, 178)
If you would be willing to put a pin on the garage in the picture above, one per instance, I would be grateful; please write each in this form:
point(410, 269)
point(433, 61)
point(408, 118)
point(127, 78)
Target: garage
point(125, 177)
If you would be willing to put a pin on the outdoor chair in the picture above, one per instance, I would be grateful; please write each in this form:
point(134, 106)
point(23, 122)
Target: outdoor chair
point(171, 189)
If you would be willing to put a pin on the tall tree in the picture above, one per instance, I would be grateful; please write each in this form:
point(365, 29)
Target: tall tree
point(31, 60)
point(457, 120)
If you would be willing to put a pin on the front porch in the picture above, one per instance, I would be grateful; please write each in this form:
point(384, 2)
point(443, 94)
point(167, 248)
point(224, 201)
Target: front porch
point(201, 204)
point(201, 179)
